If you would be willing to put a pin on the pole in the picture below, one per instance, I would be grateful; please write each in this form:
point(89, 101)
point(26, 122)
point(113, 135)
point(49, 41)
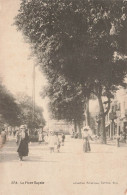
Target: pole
point(33, 94)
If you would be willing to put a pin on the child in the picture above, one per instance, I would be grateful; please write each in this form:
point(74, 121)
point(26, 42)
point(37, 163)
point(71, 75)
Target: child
point(57, 143)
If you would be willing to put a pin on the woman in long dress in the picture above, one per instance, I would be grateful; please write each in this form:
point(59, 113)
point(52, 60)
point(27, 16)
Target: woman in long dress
point(86, 144)
point(3, 136)
point(23, 142)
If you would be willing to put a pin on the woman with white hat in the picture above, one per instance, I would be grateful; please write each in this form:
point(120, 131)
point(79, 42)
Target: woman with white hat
point(85, 136)
point(23, 142)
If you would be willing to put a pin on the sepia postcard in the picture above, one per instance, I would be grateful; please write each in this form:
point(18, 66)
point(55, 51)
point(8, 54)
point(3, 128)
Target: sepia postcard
point(63, 97)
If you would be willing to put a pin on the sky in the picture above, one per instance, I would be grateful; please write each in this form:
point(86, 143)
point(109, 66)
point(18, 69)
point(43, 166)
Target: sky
point(16, 66)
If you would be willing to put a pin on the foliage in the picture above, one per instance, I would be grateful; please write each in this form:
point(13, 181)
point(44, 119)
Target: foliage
point(73, 37)
point(77, 39)
point(26, 116)
point(66, 100)
point(9, 109)
point(84, 41)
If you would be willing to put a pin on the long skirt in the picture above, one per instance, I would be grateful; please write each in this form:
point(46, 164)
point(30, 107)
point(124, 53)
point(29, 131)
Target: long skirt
point(23, 148)
point(86, 145)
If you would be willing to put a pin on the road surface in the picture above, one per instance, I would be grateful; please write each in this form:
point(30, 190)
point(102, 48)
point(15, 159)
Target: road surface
point(103, 171)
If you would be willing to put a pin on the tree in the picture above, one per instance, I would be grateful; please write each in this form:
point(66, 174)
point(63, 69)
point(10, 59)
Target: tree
point(9, 109)
point(66, 101)
point(81, 40)
point(26, 116)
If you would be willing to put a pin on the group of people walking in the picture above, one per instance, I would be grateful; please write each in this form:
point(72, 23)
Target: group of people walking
point(54, 140)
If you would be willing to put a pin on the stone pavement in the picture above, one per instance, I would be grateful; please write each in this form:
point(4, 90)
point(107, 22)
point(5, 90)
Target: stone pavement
point(103, 171)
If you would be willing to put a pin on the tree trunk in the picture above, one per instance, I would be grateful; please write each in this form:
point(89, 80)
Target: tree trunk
point(103, 130)
point(79, 131)
point(75, 126)
point(87, 113)
point(112, 129)
point(98, 128)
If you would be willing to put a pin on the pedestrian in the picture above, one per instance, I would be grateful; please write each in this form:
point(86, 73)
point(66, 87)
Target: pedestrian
point(3, 136)
point(52, 141)
point(17, 137)
point(14, 132)
point(118, 140)
point(57, 142)
point(85, 136)
point(124, 136)
point(63, 138)
point(46, 138)
point(23, 142)
point(76, 135)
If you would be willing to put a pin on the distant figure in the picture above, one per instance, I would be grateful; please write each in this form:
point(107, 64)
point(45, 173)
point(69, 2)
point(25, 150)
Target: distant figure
point(63, 138)
point(23, 142)
point(52, 141)
point(73, 134)
point(58, 143)
point(46, 138)
point(3, 136)
point(85, 136)
point(118, 140)
point(124, 136)
point(17, 137)
point(14, 132)
point(76, 135)
point(9, 131)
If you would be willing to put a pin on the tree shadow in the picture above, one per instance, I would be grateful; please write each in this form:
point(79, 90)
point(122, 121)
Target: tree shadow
point(121, 145)
point(38, 159)
point(64, 152)
point(8, 157)
point(13, 157)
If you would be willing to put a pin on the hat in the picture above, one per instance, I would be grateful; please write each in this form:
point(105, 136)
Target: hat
point(85, 129)
point(51, 132)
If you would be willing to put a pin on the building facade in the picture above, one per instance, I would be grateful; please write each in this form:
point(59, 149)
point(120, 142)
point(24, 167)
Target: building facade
point(116, 120)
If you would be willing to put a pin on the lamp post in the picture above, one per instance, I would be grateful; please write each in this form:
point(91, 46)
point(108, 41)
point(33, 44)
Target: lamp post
point(33, 94)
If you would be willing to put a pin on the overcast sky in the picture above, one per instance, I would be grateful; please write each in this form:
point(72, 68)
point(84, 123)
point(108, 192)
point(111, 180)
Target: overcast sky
point(16, 66)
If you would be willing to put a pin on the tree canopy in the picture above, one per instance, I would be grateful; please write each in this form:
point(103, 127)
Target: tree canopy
point(84, 41)
point(17, 111)
point(26, 112)
point(76, 37)
point(9, 109)
point(66, 100)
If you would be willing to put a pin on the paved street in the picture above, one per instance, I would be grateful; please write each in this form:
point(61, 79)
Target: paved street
point(69, 172)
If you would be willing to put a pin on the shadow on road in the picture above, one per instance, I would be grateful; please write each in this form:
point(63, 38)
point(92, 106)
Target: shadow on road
point(8, 157)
